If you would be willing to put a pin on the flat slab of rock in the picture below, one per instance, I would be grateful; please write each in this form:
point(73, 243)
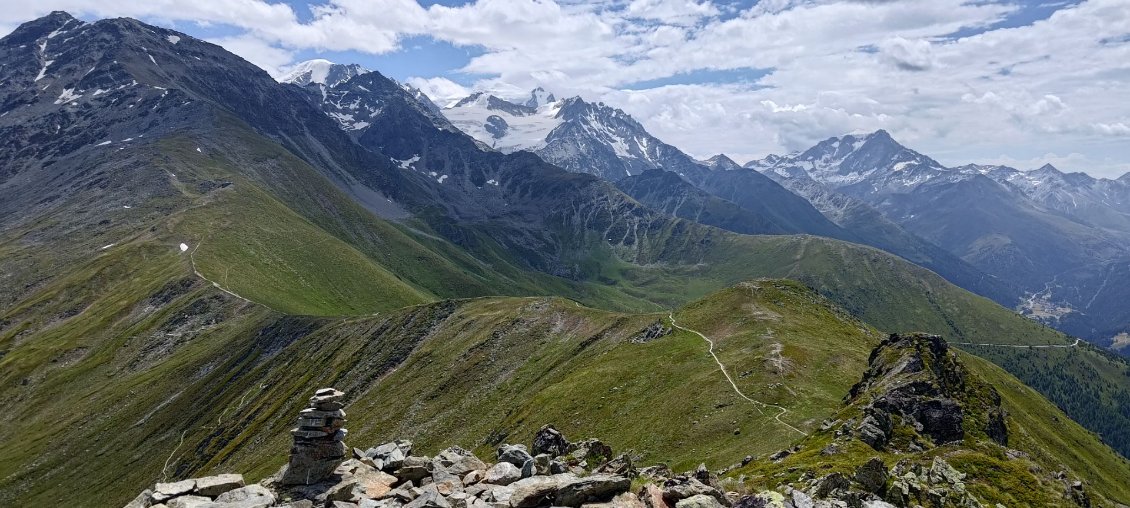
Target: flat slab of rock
point(591, 489)
point(190, 502)
point(213, 486)
point(538, 490)
point(165, 491)
point(254, 493)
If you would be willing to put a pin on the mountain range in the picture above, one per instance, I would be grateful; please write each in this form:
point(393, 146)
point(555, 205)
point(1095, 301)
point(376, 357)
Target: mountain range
point(1052, 245)
point(188, 243)
point(1062, 238)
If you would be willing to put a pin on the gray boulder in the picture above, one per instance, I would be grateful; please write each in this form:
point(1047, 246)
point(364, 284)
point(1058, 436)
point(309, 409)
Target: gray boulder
point(591, 451)
point(390, 456)
point(514, 454)
point(550, 441)
point(537, 490)
point(682, 487)
point(503, 473)
point(165, 491)
point(429, 498)
point(414, 469)
point(458, 461)
point(832, 483)
point(213, 486)
point(591, 489)
point(190, 502)
point(250, 493)
point(699, 501)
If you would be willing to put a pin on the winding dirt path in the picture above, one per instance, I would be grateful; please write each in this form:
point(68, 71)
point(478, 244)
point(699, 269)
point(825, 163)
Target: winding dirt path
point(757, 403)
point(192, 261)
point(1023, 346)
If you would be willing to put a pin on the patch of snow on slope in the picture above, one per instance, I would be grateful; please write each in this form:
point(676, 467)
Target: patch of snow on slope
point(68, 95)
point(173, 39)
point(523, 132)
point(407, 163)
point(43, 71)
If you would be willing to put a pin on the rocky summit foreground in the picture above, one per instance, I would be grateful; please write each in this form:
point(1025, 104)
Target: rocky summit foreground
point(919, 429)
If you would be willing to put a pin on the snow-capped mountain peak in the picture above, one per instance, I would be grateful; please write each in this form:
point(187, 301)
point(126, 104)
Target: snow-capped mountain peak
point(577, 135)
point(539, 97)
point(504, 125)
point(322, 72)
point(721, 162)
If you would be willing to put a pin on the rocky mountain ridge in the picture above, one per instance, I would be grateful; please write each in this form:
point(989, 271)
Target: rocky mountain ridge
point(915, 396)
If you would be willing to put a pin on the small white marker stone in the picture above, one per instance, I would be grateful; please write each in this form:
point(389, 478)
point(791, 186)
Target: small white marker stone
point(183, 247)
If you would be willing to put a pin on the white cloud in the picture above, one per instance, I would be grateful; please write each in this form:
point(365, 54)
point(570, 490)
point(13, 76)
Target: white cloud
point(679, 12)
point(441, 90)
point(269, 58)
point(908, 55)
point(829, 66)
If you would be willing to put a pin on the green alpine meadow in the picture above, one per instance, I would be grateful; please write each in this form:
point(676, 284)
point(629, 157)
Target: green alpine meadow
point(227, 286)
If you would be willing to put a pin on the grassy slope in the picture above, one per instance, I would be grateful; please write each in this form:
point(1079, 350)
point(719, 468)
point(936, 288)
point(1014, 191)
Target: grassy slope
point(1050, 441)
point(106, 342)
point(473, 372)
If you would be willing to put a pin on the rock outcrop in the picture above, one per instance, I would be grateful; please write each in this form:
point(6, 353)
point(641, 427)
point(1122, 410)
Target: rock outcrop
point(319, 445)
point(916, 382)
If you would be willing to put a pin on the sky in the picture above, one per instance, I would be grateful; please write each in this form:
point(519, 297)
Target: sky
point(1021, 83)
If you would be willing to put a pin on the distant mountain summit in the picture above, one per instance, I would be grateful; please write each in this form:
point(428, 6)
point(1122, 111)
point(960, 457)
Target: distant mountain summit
point(322, 72)
point(539, 97)
point(722, 163)
point(857, 164)
point(1062, 237)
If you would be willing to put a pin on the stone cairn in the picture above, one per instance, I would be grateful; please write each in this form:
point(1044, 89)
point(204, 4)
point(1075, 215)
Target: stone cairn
point(319, 446)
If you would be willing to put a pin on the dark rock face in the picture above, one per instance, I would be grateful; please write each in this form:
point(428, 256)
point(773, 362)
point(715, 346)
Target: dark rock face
point(915, 380)
point(550, 441)
point(872, 475)
point(496, 126)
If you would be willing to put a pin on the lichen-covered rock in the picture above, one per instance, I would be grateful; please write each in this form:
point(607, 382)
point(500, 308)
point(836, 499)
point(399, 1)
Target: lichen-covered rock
point(699, 501)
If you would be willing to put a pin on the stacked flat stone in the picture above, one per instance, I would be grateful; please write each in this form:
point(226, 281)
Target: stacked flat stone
point(319, 446)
